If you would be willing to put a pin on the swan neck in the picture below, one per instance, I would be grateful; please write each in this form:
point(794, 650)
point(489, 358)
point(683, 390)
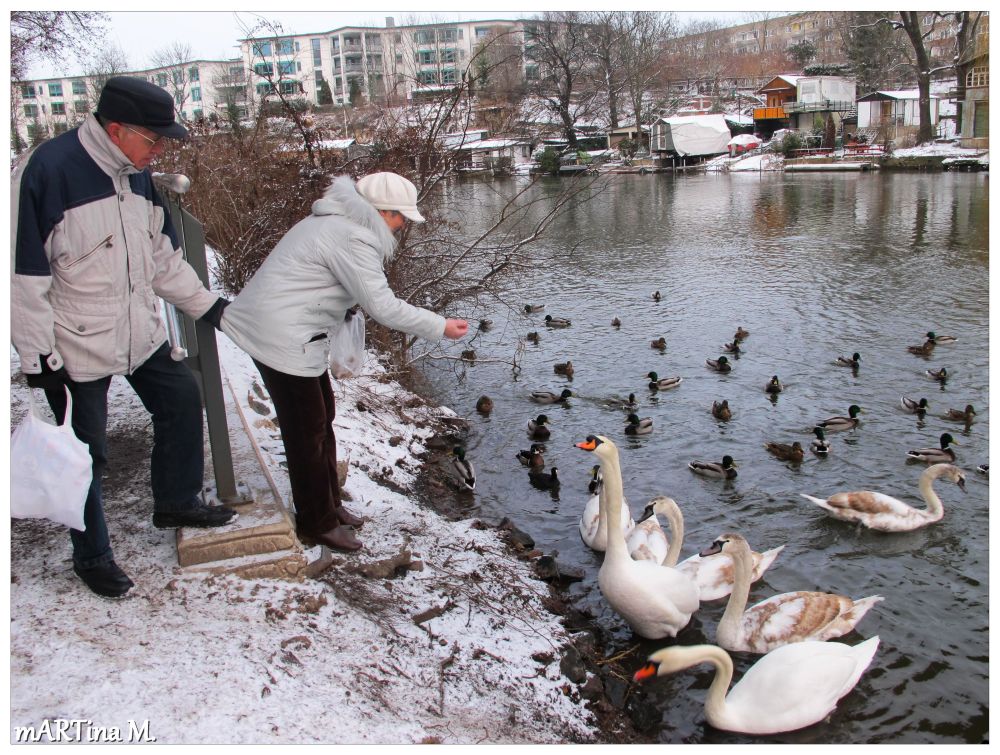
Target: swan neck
point(610, 505)
point(729, 623)
point(935, 510)
point(715, 701)
point(676, 521)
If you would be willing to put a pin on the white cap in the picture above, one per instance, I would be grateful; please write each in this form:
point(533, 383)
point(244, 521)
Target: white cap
point(389, 191)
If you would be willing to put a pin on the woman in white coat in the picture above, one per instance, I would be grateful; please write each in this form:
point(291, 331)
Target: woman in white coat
point(284, 316)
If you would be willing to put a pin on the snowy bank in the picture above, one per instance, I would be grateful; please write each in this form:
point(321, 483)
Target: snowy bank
point(462, 651)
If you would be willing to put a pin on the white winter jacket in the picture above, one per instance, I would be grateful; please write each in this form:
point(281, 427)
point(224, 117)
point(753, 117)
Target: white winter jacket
point(93, 248)
point(325, 264)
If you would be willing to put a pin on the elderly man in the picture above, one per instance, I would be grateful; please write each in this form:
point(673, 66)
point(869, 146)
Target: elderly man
point(283, 318)
point(94, 249)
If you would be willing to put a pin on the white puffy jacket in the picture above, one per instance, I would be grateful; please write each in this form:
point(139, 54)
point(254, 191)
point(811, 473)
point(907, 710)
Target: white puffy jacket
point(92, 249)
point(325, 264)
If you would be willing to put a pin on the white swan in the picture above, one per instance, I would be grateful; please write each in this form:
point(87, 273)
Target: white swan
point(647, 541)
point(884, 513)
point(790, 688)
point(781, 619)
point(714, 575)
point(656, 601)
point(593, 529)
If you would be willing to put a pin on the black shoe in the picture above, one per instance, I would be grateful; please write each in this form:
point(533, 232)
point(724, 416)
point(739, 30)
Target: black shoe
point(198, 515)
point(107, 580)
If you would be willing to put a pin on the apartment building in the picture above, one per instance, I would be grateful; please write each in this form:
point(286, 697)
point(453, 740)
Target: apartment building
point(373, 64)
point(349, 64)
point(773, 33)
point(43, 108)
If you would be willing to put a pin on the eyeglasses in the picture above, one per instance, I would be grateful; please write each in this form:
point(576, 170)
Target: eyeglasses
point(152, 142)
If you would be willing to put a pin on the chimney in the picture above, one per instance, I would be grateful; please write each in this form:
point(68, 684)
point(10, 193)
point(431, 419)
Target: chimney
point(390, 22)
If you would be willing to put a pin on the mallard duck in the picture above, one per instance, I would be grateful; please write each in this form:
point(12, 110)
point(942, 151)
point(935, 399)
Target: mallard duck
point(838, 423)
point(469, 355)
point(616, 323)
point(556, 322)
point(722, 410)
point(984, 469)
point(725, 470)
point(656, 296)
point(790, 688)
point(878, 511)
point(786, 452)
point(658, 343)
point(532, 457)
point(942, 455)
point(774, 385)
point(547, 397)
point(638, 426)
point(484, 405)
point(854, 362)
point(596, 479)
point(656, 601)
point(939, 375)
point(781, 619)
point(532, 336)
point(719, 365)
point(465, 473)
point(531, 308)
point(741, 335)
point(563, 368)
point(932, 336)
point(656, 383)
point(629, 404)
point(732, 348)
point(485, 325)
point(820, 446)
point(543, 480)
point(538, 428)
point(962, 416)
point(923, 350)
point(912, 405)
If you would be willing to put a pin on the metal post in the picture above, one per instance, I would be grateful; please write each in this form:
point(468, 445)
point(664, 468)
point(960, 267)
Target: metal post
point(199, 337)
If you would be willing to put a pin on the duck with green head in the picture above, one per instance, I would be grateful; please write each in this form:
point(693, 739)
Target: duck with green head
point(838, 423)
point(656, 383)
point(724, 471)
point(942, 455)
point(720, 365)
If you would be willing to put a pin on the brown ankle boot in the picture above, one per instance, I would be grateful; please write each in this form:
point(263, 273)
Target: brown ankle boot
point(346, 517)
point(340, 537)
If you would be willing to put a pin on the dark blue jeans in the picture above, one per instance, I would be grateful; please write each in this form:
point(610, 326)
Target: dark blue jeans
point(169, 392)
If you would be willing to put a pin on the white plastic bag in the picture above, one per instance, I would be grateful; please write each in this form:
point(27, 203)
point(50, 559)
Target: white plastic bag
point(347, 346)
point(50, 469)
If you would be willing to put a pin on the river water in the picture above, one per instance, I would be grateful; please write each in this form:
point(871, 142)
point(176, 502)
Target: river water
point(814, 266)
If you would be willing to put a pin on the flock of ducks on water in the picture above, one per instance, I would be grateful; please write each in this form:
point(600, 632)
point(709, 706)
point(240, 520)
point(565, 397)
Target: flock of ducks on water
point(801, 676)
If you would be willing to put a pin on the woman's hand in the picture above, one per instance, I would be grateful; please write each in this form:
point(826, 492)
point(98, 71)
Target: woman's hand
point(455, 329)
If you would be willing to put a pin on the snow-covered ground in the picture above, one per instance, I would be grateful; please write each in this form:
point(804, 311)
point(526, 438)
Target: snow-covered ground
point(337, 660)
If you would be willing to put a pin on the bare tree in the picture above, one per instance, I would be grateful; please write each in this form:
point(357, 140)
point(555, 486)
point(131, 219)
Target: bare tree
point(108, 61)
point(557, 42)
point(173, 57)
point(642, 55)
point(50, 35)
point(605, 39)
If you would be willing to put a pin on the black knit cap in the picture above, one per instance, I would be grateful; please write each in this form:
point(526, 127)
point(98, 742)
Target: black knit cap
point(126, 99)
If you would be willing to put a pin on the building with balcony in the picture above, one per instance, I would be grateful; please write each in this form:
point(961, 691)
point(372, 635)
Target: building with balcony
point(42, 108)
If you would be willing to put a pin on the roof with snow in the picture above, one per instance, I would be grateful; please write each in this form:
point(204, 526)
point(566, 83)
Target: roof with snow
point(782, 81)
point(490, 144)
point(894, 94)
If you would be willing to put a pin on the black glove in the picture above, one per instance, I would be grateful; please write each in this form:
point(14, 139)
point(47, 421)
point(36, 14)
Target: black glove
point(48, 379)
point(214, 314)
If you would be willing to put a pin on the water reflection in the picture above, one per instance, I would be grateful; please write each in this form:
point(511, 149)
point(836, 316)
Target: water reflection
point(814, 267)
